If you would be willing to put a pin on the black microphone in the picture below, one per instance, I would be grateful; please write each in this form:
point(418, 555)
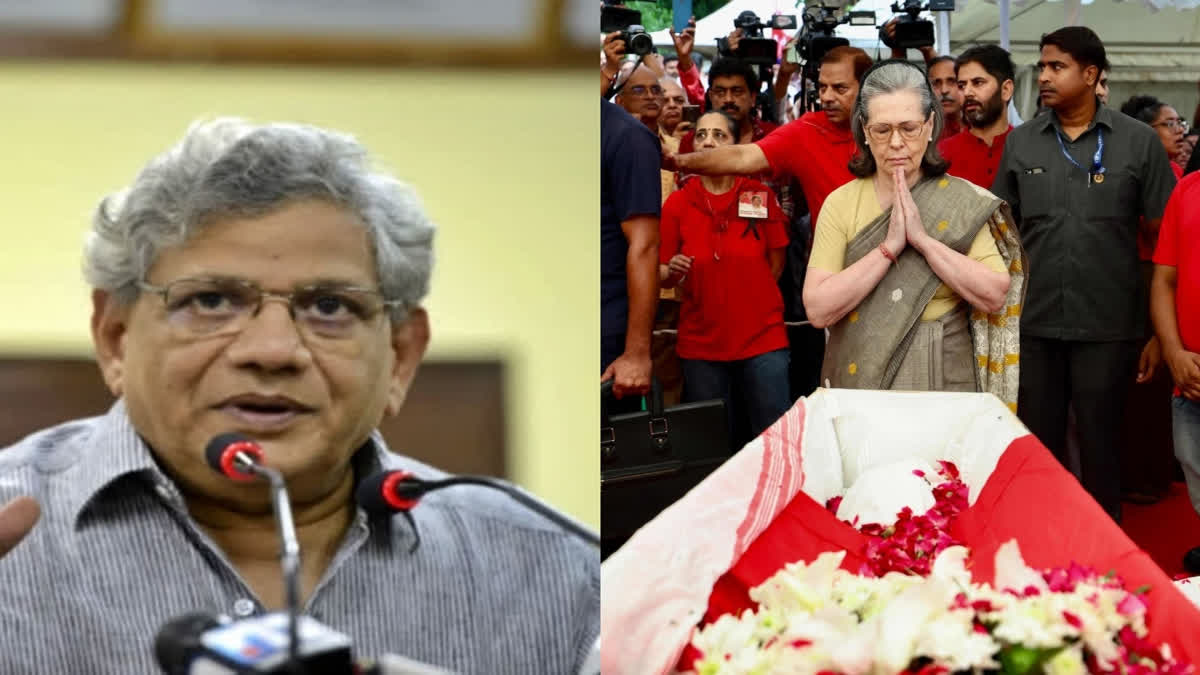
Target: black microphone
point(239, 458)
point(399, 491)
point(202, 644)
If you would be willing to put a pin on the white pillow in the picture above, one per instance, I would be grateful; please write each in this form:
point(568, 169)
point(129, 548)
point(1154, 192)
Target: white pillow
point(882, 491)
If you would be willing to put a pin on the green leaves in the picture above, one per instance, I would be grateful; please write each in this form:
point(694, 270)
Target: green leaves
point(1018, 660)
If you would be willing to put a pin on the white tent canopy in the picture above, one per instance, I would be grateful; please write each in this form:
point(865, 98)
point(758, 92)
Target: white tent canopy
point(1153, 45)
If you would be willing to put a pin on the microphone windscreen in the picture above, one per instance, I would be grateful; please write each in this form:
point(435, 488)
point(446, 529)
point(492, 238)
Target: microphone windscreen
point(369, 494)
point(389, 492)
point(215, 453)
point(178, 641)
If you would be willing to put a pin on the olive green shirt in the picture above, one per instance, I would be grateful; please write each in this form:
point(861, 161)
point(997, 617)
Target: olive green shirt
point(1080, 234)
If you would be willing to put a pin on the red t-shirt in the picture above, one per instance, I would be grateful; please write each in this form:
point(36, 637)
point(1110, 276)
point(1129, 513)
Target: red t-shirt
point(731, 308)
point(815, 152)
point(1145, 244)
point(1179, 247)
point(971, 159)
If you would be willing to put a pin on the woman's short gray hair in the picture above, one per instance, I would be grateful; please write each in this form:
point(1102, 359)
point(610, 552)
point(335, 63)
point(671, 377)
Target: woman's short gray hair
point(888, 77)
point(230, 168)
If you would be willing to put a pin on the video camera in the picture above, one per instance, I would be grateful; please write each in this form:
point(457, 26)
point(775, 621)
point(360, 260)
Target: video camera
point(629, 22)
point(753, 48)
point(821, 17)
point(913, 32)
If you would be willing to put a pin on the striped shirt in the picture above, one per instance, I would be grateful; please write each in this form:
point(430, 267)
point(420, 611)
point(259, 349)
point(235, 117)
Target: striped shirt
point(491, 588)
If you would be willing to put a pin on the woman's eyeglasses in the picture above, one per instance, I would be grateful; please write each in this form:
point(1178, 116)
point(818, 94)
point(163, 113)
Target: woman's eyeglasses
point(881, 132)
point(1173, 124)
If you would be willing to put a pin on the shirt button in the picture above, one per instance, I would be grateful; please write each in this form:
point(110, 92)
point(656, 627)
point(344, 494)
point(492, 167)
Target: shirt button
point(243, 607)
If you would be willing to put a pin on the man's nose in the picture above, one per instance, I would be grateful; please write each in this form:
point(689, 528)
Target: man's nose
point(270, 340)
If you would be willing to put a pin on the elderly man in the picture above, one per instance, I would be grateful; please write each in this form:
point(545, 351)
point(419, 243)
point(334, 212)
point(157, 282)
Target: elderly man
point(642, 97)
point(265, 280)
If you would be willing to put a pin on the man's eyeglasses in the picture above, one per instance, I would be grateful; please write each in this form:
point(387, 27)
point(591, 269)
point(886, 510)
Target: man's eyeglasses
point(882, 133)
point(641, 89)
point(204, 307)
point(1173, 124)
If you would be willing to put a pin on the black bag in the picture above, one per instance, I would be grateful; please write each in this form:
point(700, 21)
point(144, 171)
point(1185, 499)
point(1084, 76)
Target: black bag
point(650, 459)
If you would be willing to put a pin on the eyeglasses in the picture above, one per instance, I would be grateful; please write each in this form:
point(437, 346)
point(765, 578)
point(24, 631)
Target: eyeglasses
point(1173, 124)
point(204, 307)
point(882, 133)
point(641, 89)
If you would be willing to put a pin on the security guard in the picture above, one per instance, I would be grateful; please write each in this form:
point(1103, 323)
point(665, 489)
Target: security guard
point(1081, 180)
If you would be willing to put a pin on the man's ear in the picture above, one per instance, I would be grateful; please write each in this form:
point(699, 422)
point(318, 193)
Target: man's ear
point(409, 341)
point(110, 323)
point(1006, 91)
point(1094, 78)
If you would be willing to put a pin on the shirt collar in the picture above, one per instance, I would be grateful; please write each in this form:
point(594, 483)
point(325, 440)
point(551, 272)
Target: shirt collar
point(1103, 115)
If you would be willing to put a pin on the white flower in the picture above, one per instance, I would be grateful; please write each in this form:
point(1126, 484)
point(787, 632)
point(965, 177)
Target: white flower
point(951, 641)
point(1012, 572)
point(903, 619)
point(801, 587)
point(951, 565)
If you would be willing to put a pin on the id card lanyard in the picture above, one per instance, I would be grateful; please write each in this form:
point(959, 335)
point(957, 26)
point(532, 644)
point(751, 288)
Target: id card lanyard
point(1096, 175)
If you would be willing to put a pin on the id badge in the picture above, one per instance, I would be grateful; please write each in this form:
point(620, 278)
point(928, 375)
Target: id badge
point(752, 205)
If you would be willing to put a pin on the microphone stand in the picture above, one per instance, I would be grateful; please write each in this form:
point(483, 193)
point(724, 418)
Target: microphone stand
point(289, 554)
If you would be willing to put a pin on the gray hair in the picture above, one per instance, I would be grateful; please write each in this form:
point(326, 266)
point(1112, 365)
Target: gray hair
point(230, 168)
point(889, 77)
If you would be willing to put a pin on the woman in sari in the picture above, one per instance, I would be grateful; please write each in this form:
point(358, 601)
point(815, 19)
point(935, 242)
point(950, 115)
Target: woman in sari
point(901, 253)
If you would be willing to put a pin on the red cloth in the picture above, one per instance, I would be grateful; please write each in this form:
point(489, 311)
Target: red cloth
point(731, 307)
point(1029, 497)
point(815, 152)
point(971, 159)
point(692, 86)
point(1179, 247)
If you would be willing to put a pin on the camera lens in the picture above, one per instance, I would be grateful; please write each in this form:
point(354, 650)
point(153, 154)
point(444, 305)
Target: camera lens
point(641, 43)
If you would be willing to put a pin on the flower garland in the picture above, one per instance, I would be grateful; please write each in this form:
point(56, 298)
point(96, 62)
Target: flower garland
point(911, 544)
point(912, 609)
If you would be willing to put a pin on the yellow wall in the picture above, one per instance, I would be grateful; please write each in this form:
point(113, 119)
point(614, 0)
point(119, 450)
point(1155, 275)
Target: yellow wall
point(505, 162)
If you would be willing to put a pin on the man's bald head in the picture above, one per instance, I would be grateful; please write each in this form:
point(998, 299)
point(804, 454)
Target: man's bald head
point(642, 96)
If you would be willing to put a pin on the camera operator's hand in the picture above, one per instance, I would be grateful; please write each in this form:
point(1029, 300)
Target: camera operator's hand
point(614, 52)
point(887, 34)
point(654, 62)
point(684, 43)
point(786, 67)
point(735, 38)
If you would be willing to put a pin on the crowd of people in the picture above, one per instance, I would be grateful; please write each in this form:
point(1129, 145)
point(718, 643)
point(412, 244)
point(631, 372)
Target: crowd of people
point(918, 235)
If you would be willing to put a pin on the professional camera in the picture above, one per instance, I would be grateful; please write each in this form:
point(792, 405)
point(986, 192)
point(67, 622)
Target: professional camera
point(629, 22)
point(821, 17)
point(753, 48)
point(913, 32)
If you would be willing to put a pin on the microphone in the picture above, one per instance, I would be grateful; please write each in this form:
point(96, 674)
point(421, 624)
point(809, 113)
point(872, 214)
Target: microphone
point(399, 491)
point(238, 457)
point(202, 644)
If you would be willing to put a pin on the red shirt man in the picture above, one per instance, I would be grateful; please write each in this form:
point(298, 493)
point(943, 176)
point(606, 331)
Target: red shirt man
point(814, 150)
point(985, 80)
point(731, 307)
point(971, 158)
point(1179, 249)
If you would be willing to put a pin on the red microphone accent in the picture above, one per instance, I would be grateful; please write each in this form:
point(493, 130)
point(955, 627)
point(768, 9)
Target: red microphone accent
point(391, 490)
point(227, 458)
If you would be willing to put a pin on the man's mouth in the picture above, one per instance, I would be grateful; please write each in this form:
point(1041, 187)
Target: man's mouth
point(261, 412)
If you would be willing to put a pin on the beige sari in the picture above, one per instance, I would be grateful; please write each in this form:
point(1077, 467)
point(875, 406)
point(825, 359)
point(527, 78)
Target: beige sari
point(883, 344)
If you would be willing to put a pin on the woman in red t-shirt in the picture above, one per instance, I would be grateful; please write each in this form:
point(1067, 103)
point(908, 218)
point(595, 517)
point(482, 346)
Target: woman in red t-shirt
point(723, 241)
